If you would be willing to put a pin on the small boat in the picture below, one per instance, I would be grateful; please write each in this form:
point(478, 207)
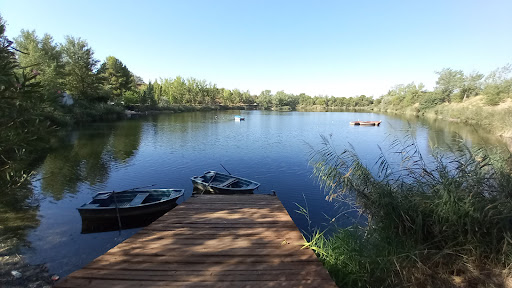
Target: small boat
point(365, 123)
point(220, 183)
point(129, 203)
point(239, 118)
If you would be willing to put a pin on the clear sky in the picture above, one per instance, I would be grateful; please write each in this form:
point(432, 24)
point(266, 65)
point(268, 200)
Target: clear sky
point(339, 48)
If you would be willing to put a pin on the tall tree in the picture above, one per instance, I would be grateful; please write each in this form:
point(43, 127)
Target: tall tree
point(449, 81)
point(265, 99)
point(116, 78)
point(23, 130)
point(178, 91)
point(498, 85)
point(44, 57)
point(147, 96)
point(80, 80)
point(471, 85)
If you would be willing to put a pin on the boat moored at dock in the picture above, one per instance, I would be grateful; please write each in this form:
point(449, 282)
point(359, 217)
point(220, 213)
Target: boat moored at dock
point(137, 203)
point(220, 183)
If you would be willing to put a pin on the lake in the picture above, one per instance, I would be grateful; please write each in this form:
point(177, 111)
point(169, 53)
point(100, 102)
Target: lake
point(165, 150)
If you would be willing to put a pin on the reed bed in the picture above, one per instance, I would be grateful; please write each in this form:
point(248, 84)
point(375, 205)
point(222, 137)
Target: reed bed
point(444, 221)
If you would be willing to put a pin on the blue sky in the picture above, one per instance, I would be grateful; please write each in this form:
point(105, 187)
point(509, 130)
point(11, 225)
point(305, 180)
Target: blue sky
point(339, 48)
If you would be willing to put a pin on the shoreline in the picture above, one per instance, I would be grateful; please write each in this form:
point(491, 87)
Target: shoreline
point(32, 275)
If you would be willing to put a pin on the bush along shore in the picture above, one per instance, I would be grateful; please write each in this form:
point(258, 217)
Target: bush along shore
point(445, 223)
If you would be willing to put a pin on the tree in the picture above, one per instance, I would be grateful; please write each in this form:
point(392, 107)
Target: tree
point(320, 100)
point(43, 56)
point(116, 78)
point(247, 98)
point(265, 99)
point(279, 100)
point(449, 81)
point(23, 129)
point(237, 96)
point(227, 97)
point(305, 100)
point(80, 80)
point(498, 85)
point(178, 90)
point(471, 85)
point(147, 96)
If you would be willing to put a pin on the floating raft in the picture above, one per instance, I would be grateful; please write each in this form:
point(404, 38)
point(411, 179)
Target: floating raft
point(210, 241)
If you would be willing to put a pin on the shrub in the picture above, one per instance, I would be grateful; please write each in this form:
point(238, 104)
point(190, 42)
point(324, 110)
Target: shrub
point(431, 100)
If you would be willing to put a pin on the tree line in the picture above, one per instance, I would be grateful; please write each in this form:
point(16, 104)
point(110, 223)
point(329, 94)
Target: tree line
point(452, 86)
point(71, 67)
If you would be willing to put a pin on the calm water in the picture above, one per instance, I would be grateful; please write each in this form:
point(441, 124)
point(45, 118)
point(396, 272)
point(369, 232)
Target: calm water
point(167, 149)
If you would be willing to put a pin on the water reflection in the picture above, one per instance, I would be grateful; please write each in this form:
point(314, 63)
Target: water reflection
point(18, 214)
point(448, 135)
point(126, 139)
point(87, 159)
point(112, 224)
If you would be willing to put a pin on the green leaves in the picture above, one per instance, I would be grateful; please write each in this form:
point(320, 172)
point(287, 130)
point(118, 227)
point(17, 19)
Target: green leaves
point(80, 79)
point(116, 78)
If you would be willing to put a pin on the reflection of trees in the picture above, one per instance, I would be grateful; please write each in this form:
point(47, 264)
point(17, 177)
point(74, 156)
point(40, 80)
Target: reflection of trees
point(91, 147)
point(17, 216)
point(64, 169)
point(60, 173)
point(448, 135)
point(126, 139)
point(86, 160)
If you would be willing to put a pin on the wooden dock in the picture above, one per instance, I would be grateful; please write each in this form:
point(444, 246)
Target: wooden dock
point(210, 241)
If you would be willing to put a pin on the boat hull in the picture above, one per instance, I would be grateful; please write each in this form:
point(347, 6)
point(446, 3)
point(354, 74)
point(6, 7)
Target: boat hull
point(201, 187)
point(92, 214)
point(134, 208)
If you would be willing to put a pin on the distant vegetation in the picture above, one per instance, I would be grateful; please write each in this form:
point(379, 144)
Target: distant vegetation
point(71, 67)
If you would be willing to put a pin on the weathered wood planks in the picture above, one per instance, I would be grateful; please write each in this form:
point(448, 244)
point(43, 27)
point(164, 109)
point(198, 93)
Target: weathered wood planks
point(210, 241)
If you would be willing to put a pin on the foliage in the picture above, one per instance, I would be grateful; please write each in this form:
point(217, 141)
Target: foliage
point(471, 86)
point(429, 219)
point(498, 85)
point(80, 64)
point(116, 78)
point(449, 81)
point(431, 100)
point(190, 91)
point(23, 127)
point(45, 58)
point(404, 95)
point(85, 111)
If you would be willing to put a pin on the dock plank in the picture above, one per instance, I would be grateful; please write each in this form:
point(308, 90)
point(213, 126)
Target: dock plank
point(210, 241)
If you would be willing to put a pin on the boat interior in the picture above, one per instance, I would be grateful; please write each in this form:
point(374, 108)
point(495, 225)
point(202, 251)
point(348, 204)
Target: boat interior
point(135, 198)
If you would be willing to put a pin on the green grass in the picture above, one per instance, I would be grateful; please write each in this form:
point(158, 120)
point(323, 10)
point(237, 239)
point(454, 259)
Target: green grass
point(429, 224)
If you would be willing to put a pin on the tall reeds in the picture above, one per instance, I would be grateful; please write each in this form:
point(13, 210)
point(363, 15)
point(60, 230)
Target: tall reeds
point(430, 221)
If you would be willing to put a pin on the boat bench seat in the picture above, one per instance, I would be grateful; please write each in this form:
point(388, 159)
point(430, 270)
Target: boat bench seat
point(138, 199)
point(228, 182)
point(91, 205)
point(102, 195)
